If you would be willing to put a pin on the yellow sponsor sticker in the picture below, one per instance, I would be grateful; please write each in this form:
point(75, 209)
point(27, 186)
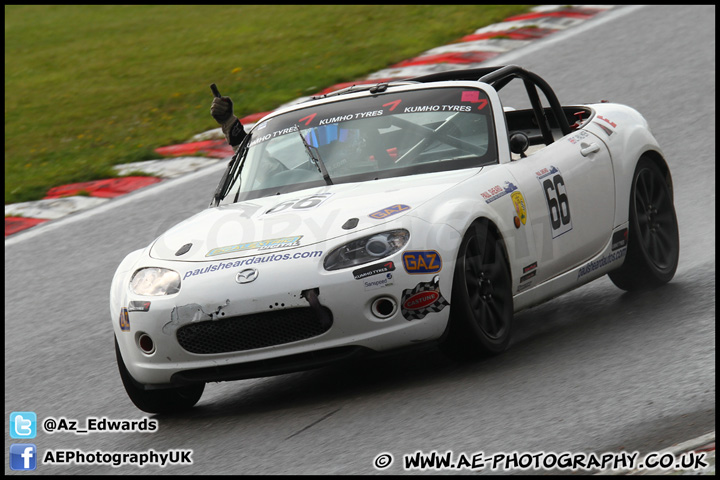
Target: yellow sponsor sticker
point(520, 206)
point(259, 245)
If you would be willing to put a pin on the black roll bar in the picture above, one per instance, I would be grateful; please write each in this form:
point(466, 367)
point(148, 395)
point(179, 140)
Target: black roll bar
point(498, 77)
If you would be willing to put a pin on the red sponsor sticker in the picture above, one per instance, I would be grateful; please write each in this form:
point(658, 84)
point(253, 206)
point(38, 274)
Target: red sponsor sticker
point(473, 96)
point(470, 96)
point(421, 300)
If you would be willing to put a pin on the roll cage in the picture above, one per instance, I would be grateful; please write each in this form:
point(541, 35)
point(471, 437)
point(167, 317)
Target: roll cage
point(497, 77)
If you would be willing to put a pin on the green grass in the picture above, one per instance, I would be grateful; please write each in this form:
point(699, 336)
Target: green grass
point(88, 87)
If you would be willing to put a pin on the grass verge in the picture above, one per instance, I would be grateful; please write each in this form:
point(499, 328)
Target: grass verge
point(91, 86)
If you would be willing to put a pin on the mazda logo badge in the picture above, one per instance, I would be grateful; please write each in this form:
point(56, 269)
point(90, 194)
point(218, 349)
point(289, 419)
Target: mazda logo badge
point(246, 276)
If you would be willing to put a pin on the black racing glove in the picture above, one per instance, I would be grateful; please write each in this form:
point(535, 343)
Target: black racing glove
point(222, 111)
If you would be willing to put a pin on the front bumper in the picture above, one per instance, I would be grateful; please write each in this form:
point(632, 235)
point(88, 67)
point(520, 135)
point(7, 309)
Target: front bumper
point(216, 329)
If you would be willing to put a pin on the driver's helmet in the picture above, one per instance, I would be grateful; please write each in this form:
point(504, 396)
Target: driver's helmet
point(337, 145)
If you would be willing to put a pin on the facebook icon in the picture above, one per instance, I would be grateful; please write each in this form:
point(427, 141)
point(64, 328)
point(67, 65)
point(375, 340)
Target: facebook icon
point(23, 456)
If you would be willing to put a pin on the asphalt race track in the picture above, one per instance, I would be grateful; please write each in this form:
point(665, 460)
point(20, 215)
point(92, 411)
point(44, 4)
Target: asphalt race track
point(596, 370)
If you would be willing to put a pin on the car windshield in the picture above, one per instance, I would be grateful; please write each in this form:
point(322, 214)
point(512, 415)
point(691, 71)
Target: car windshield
point(363, 139)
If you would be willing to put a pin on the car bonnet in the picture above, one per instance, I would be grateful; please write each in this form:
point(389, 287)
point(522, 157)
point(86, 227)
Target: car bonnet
point(299, 219)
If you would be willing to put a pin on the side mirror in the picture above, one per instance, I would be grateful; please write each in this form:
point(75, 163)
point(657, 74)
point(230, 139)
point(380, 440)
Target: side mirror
point(519, 143)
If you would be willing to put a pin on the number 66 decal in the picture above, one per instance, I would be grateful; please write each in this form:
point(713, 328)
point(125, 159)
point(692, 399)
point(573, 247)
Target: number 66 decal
point(558, 204)
point(301, 204)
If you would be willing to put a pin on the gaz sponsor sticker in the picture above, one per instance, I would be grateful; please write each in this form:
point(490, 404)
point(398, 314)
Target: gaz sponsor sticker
point(124, 320)
point(422, 261)
point(423, 299)
point(388, 211)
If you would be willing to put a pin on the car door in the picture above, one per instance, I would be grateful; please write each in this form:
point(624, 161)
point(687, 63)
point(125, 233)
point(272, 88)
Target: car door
point(570, 198)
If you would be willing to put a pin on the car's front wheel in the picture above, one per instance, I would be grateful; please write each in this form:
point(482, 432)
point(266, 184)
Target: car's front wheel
point(169, 400)
point(653, 240)
point(481, 308)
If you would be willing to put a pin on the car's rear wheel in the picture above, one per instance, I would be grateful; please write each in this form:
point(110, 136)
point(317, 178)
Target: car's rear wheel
point(481, 308)
point(169, 400)
point(653, 239)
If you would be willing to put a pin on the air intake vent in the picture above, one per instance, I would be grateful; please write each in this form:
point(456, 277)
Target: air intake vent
point(249, 332)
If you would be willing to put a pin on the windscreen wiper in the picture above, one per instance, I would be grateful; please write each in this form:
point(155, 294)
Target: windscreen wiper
point(234, 167)
point(232, 173)
point(315, 157)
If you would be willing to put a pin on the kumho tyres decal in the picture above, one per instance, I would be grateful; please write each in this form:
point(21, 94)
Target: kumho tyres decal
point(423, 299)
point(444, 100)
point(138, 307)
point(376, 269)
point(258, 245)
point(251, 261)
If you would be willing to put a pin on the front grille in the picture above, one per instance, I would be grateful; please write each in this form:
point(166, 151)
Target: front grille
point(247, 332)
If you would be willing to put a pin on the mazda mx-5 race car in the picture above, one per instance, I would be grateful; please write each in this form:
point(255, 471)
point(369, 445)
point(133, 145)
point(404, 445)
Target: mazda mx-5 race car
point(390, 215)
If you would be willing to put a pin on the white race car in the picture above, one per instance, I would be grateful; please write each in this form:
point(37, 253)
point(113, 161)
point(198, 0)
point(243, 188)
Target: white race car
point(390, 215)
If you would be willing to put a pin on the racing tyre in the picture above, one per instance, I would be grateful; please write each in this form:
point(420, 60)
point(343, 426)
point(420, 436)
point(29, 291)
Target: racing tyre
point(170, 400)
point(653, 239)
point(481, 308)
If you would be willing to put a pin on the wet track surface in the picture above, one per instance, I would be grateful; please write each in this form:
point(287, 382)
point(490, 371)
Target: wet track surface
point(592, 371)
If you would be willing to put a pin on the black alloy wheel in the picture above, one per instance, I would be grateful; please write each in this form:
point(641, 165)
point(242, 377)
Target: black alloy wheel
point(653, 240)
point(481, 308)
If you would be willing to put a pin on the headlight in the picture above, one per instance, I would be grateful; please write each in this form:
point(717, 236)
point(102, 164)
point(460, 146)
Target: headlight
point(366, 249)
point(155, 281)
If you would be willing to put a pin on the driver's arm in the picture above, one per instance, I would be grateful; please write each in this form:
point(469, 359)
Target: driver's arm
point(222, 111)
